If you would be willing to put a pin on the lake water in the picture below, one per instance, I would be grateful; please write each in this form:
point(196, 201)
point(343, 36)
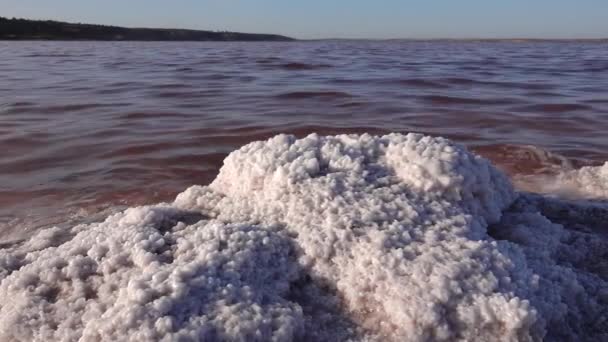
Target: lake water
point(91, 125)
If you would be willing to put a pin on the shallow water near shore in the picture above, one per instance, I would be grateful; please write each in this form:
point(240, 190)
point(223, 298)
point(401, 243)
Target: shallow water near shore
point(329, 236)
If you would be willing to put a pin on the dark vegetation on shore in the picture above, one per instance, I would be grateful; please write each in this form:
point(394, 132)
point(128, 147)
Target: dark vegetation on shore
point(24, 29)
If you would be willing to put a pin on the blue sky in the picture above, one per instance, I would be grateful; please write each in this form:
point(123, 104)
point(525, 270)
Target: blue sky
point(339, 18)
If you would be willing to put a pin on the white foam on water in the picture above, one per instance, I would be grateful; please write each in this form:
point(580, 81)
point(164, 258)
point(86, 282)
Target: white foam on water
point(350, 237)
point(588, 182)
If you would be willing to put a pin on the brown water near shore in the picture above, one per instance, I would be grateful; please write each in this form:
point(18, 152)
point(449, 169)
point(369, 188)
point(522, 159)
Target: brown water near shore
point(86, 127)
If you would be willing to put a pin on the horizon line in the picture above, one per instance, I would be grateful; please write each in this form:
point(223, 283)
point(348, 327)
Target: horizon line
point(511, 39)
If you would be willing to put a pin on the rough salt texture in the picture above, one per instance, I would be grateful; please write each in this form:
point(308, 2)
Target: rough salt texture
point(352, 237)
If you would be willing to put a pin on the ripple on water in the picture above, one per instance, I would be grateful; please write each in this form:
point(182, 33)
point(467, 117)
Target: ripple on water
point(144, 108)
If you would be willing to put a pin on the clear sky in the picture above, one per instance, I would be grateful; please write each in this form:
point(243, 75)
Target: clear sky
point(339, 18)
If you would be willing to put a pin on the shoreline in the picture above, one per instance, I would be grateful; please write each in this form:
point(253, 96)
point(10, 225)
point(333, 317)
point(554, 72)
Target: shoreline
point(50, 30)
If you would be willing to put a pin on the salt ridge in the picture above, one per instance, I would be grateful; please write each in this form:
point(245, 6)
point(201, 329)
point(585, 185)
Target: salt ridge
point(399, 237)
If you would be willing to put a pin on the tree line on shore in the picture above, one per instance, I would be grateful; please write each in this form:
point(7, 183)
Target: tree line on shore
point(25, 29)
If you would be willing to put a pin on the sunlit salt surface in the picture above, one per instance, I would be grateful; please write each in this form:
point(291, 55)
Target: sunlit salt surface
point(349, 237)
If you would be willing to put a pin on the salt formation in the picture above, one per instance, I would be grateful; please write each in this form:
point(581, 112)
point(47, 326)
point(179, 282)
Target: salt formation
point(400, 237)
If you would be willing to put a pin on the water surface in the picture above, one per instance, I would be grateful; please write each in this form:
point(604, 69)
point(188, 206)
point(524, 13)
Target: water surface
point(88, 126)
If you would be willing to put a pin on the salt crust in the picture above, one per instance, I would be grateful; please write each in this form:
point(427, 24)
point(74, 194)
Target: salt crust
point(400, 237)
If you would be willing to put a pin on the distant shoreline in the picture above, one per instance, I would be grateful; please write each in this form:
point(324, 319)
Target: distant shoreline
point(37, 30)
point(52, 30)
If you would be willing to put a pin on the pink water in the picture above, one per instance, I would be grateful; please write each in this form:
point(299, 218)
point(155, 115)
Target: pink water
point(88, 126)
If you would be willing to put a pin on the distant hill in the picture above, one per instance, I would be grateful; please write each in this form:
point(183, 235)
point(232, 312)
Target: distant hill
point(24, 29)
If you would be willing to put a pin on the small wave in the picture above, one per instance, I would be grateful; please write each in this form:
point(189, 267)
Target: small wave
point(525, 159)
point(17, 107)
point(21, 144)
point(588, 182)
point(520, 85)
point(213, 159)
point(268, 60)
point(537, 170)
point(108, 133)
point(118, 64)
point(185, 69)
point(168, 86)
point(178, 94)
point(125, 84)
point(139, 149)
point(453, 100)
point(111, 91)
point(76, 107)
point(352, 104)
point(60, 109)
point(496, 84)
point(303, 66)
point(278, 63)
point(246, 78)
point(419, 83)
point(186, 93)
point(22, 104)
point(545, 94)
point(216, 77)
point(457, 80)
point(300, 95)
point(554, 107)
point(598, 89)
point(46, 55)
point(241, 135)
